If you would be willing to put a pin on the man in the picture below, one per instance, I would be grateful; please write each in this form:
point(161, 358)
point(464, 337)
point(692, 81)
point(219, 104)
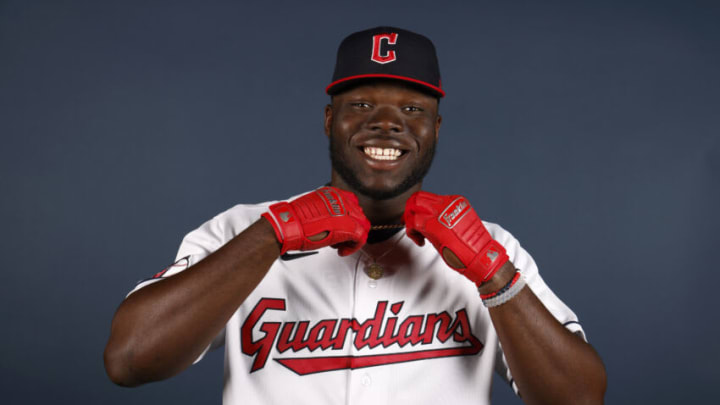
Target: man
point(334, 296)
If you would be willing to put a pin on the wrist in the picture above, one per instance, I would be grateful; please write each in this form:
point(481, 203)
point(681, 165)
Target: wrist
point(499, 279)
point(505, 294)
point(269, 232)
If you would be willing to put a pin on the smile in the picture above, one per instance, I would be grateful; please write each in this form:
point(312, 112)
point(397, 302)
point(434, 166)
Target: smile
point(382, 153)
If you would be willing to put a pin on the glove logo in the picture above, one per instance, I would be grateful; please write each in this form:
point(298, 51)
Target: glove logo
point(377, 55)
point(454, 212)
point(332, 202)
point(285, 216)
point(492, 255)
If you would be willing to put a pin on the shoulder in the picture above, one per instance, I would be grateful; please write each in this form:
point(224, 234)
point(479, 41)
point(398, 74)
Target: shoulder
point(224, 226)
point(230, 222)
point(241, 214)
point(502, 235)
point(517, 254)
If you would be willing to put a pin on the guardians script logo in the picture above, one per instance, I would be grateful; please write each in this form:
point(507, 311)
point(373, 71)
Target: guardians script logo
point(331, 334)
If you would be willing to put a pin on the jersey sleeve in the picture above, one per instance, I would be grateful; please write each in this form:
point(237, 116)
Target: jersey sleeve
point(525, 263)
point(200, 243)
point(196, 245)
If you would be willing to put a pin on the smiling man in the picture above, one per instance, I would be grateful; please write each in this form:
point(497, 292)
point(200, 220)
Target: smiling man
point(382, 142)
point(334, 297)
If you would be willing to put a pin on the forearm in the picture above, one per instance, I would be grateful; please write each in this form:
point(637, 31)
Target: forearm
point(550, 364)
point(161, 329)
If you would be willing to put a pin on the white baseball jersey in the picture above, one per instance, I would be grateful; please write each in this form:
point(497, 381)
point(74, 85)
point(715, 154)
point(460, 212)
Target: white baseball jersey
point(319, 330)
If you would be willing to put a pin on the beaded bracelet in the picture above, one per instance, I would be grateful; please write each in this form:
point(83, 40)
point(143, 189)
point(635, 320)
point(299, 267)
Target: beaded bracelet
point(506, 293)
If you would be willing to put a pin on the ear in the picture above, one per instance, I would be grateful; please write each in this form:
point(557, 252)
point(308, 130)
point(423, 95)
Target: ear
point(328, 119)
point(438, 121)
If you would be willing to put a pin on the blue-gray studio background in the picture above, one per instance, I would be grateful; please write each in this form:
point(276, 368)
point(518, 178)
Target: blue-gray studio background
point(590, 130)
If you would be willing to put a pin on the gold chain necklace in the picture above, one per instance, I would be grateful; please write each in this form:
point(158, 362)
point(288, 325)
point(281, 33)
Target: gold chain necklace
point(388, 226)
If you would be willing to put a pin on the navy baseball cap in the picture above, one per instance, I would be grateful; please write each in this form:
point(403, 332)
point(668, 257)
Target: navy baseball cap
point(387, 53)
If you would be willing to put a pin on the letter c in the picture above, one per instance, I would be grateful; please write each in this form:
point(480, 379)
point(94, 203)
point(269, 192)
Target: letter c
point(377, 54)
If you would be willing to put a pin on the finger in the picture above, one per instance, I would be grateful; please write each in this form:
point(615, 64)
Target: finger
point(347, 248)
point(451, 259)
point(319, 236)
point(416, 237)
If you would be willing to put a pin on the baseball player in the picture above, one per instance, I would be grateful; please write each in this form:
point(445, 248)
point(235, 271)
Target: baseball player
point(367, 289)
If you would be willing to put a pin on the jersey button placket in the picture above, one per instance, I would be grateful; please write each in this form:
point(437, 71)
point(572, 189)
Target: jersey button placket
point(356, 392)
point(366, 384)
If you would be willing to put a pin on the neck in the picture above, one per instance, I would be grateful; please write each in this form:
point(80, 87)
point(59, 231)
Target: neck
point(378, 212)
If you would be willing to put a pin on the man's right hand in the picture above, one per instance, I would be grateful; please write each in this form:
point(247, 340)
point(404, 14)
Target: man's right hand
point(327, 216)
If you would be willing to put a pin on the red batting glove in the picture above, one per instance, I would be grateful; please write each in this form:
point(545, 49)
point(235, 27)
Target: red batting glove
point(326, 209)
point(449, 222)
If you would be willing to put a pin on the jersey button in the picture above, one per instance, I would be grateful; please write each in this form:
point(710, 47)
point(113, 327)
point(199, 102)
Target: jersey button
point(366, 380)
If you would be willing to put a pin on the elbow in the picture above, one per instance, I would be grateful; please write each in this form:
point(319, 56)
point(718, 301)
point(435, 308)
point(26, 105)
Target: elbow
point(129, 366)
point(601, 385)
point(121, 357)
point(594, 391)
point(590, 399)
point(588, 389)
point(117, 367)
point(594, 382)
point(588, 395)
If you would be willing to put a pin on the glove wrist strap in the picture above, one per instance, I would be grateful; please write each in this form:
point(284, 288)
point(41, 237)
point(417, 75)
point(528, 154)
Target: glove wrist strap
point(285, 224)
point(486, 263)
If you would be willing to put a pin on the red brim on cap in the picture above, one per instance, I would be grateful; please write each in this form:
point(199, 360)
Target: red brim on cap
point(434, 89)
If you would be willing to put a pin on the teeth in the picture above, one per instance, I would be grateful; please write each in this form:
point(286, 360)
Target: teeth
point(382, 153)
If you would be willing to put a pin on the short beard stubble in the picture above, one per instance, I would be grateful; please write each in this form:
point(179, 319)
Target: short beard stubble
point(416, 175)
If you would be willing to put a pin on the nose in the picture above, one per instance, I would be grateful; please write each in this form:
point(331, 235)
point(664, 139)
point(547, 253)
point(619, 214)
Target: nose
point(386, 119)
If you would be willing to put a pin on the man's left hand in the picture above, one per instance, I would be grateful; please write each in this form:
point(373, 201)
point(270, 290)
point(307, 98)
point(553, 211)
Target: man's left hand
point(453, 227)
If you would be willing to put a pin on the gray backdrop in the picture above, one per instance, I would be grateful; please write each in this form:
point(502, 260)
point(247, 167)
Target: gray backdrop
point(588, 129)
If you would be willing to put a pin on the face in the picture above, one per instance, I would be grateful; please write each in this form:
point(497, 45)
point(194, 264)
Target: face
point(382, 137)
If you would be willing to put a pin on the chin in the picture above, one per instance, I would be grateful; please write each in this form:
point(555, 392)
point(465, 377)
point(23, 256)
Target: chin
point(379, 186)
point(378, 191)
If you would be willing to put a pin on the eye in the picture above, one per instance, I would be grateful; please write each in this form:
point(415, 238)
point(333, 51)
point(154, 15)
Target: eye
point(412, 108)
point(360, 105)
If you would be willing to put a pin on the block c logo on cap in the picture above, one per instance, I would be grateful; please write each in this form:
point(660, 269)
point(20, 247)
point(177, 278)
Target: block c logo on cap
point(377, 54)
